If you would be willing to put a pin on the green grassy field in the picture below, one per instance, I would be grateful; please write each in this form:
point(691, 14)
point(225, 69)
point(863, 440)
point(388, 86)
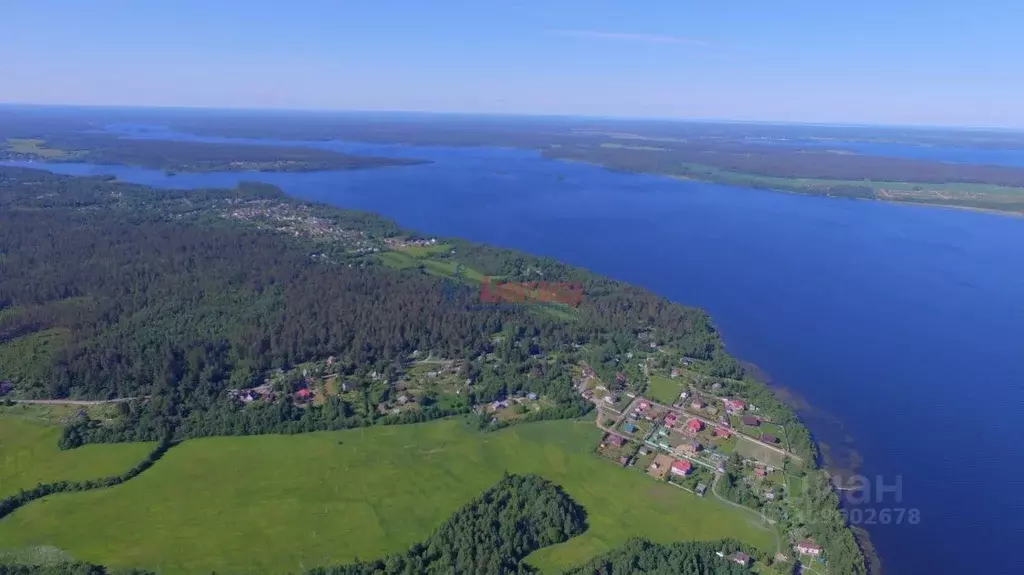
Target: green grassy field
point(759, 452)
point(31, 146)
point(444, 268)
point(664, 390)
point(284, 503)
point(29, 454)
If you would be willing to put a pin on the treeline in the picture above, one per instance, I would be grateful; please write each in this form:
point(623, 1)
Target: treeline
point(578, 407)
point(490, 535)
point(689, 558)
point(76, 568)
point(817, 515)
point(9, 504)
point(821, 519)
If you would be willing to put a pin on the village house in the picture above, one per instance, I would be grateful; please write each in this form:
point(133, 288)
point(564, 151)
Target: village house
point(616, 440)
point(741, 558)
point(695, 425)
point(734, 406)
point(670, 419)
point(620, 377)
point(689, 447)
point(642, 406)
point(808, 547)
point(403, 399)
point(303, 394)
point(629, 428)
point(722, 432)
point(701, 489)
point(769, 438)
point(531, 396)
point(759, 471)
point(682, 467)
point(751, 421)
point(675, 373)
point(697, 404)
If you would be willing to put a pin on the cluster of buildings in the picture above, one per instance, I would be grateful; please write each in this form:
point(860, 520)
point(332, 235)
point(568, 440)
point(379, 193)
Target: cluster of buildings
point(251, 394)
point(403, 243)
point(297, 221)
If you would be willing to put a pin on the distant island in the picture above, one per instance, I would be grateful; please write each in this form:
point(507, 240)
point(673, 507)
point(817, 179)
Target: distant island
point(175, 157)
point(806, 159)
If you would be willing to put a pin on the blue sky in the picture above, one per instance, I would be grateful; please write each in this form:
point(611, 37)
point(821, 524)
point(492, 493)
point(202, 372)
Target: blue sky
point(895, 61)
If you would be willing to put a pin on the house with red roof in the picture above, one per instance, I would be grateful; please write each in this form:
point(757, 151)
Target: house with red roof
point(808, 547)
point(722, 432)
point(682, 467)
point(695, 425)
point(642, 406)
point(670, 419)
point(304, 393)
point(734, 406)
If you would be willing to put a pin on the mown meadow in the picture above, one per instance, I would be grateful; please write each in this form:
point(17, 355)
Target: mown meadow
point(284, 503)
point(29, 454)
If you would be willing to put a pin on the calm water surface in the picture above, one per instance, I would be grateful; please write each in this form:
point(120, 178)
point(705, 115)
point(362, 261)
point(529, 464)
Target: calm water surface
point(904, 322)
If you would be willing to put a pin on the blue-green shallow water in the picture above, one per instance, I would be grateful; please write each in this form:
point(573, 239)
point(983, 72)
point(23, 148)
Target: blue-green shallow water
point(906, 323)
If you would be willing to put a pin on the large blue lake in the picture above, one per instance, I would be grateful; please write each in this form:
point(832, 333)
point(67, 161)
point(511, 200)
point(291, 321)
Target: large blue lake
point(902, 326)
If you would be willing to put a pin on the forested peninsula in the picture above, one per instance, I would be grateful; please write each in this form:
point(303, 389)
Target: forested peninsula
point(245, 311)
point(186, 156)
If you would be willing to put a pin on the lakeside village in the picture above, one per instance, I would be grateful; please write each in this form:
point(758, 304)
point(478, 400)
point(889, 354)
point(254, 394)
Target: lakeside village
point(691, 443)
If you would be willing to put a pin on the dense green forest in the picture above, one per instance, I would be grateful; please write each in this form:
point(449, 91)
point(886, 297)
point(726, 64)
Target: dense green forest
point(136, 292)
point(689, 558)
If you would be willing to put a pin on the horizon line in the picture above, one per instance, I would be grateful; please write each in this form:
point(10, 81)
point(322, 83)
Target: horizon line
point(612, 117)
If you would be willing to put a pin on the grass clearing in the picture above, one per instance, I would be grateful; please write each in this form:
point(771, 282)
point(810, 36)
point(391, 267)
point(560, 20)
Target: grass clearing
point(29, 453)
point(755, 450)
point(425, 251)
point(285, 503)
point(33, 146)
point(664, 390)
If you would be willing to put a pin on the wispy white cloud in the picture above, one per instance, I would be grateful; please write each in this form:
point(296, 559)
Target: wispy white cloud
point(629, 37)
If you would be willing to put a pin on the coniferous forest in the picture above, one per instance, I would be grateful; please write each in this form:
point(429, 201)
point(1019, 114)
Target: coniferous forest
point(172, 297)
